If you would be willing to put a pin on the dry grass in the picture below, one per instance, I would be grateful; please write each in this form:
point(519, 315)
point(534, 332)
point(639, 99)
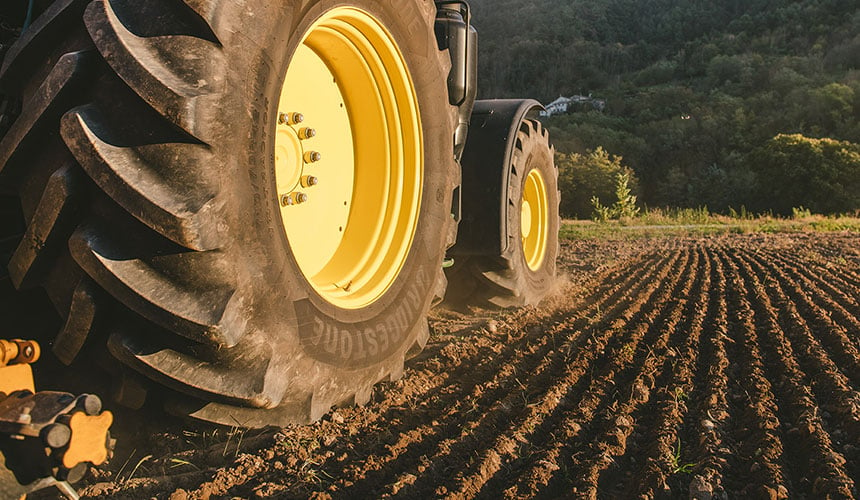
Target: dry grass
point(699, 222)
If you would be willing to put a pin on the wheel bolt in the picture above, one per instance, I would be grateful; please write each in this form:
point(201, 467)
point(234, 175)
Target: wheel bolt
point(309, 180)
point(290, 118)
point(306, 133)
point(293, 199)
point(312, 156)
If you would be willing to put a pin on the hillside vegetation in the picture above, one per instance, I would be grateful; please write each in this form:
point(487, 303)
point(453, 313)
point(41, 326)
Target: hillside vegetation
point(721, 103)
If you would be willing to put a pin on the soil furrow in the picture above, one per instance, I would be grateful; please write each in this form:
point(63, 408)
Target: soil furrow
point(596, 395)
point(815, 295)
point(836, 363)
point(515, 431)
point(823, 472)
point(757, 468)
point(810, 371)
point(843, 273)
point(706, 426)
point(831, 285)
point(653, 453)
point(485, 398)
point(637, 378)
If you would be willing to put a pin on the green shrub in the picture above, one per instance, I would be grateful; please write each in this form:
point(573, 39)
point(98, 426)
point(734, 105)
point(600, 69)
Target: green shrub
point(624, 206)
point(592, 175)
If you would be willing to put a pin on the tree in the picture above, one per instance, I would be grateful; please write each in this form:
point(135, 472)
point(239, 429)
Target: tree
point(832, 106)
point(820, 174)
point(692, 88)
point(625, 204)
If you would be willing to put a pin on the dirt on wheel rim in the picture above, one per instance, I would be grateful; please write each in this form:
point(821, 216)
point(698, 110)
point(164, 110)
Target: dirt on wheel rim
point(721, 367)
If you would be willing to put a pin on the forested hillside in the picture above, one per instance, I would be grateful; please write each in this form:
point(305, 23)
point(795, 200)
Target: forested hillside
point(698, 92)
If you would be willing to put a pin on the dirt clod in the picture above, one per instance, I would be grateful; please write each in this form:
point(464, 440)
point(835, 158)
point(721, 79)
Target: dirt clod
point(701, 489)
point(179, 494)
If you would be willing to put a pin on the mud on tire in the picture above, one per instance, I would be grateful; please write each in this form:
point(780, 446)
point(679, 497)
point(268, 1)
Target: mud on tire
point(143, 163)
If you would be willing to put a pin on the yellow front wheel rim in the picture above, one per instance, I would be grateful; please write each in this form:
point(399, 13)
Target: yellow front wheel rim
point(348, 158)
point(534, 220)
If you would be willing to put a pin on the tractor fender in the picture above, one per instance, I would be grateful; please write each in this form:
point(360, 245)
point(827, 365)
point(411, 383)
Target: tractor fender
point(486, 175)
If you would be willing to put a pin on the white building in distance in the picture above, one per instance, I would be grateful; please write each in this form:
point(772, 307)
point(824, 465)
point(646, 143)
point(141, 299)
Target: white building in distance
point(564, 105)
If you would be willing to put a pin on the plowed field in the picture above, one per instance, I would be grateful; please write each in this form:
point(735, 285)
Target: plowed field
point(724, 367)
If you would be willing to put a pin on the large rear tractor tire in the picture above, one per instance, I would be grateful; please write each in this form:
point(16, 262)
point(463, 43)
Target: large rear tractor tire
point(243, 204)
point(525, 272)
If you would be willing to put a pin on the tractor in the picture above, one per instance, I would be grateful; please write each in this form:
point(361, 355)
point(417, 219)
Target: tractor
point(243, 210)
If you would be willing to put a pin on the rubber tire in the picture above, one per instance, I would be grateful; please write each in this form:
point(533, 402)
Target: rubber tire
point(506, 280)
point(143, 161)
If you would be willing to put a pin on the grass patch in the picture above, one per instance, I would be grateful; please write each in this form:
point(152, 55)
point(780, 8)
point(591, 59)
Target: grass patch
point(700, 222)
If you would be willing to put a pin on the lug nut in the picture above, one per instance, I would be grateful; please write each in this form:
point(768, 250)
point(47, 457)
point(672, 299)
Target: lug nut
point(293, 199)
point(312, 156)
point(290, 118)
point(309, 180)
point(306, 133)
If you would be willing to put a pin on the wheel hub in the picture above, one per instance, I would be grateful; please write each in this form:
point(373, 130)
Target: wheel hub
point(526, 219)
point(349, 173)
point(534, 220)
point(291, 158)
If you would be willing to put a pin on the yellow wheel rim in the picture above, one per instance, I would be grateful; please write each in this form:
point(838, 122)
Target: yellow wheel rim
point(534, 220)
point(348, 158)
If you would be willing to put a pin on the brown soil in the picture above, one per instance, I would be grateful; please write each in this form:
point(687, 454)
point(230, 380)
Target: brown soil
point(724, 367)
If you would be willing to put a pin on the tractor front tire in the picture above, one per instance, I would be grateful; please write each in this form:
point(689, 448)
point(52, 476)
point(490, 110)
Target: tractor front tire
point(526, 271)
